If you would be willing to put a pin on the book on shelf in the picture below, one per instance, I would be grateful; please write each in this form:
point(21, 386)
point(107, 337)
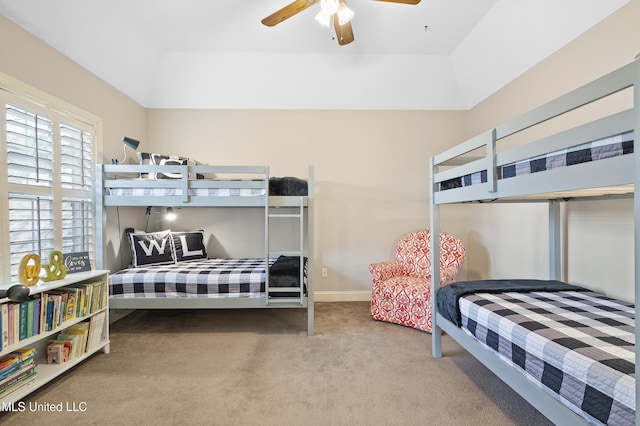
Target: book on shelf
point(91, 298)
point(82, 329)
point(47, 311)
point(16, 370)
point(14, 386)
point(4, 322)
point(75, 340)
point(14, 359)
point(36, 314)
point(84, 298)
point(96, 326)
point(17, 374)
point(22, 309)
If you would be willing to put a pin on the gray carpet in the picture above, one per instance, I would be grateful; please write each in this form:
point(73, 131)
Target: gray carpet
point(258, 367)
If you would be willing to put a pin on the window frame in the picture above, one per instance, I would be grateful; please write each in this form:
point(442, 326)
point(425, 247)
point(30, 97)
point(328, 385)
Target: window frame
point(15, 92)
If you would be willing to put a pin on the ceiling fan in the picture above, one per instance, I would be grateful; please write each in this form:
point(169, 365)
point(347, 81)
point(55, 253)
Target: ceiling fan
point(331, 11)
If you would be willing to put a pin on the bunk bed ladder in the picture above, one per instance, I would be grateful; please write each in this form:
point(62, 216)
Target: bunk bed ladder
point(295, 295)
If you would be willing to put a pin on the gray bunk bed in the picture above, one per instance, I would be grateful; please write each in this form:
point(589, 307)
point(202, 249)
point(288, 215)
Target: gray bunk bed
point(591, 160)
point(277, 280)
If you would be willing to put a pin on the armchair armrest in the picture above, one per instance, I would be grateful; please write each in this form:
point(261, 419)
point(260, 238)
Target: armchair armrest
point(384, 270)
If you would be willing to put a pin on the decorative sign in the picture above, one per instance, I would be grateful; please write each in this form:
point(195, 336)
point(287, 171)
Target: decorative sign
point(77, 262)
point(29, 272)
point(55, 270)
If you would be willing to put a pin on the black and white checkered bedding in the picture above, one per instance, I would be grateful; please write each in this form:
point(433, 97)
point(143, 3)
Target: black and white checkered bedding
point(277, 186)
point(211, 278)
point(577, 345)
point(201, 192)
point(612, 146)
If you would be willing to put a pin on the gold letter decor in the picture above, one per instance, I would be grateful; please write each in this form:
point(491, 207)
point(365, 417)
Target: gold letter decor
point(54, 270)
point(29, 272)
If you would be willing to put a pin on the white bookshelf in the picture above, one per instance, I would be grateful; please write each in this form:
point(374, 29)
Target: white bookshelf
point(47, 372)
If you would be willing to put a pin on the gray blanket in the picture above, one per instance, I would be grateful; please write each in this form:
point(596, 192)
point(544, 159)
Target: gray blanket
point(449, 295)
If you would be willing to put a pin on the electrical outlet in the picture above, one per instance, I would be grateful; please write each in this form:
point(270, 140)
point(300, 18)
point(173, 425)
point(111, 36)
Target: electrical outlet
point(324, 273)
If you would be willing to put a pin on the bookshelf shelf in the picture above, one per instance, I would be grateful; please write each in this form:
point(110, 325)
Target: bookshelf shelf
point(47, 372)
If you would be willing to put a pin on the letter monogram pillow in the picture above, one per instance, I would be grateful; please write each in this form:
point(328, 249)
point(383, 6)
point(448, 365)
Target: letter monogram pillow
point(188, 246)
point(151, 249)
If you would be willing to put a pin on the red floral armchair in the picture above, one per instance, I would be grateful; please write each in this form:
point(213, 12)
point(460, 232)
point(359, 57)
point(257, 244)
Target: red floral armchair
point(401, 291)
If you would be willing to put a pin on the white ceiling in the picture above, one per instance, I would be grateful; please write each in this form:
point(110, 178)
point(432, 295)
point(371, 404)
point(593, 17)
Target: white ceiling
point(439, 54)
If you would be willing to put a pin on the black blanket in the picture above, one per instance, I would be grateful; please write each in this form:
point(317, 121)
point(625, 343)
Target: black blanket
point(287, 186)
point(448, 296)
point(285, 272)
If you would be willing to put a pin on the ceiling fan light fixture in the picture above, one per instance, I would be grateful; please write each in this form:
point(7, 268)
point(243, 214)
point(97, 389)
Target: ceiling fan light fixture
point(333, 13)
point(329, 7)
point(344, 13)
point(323, 19)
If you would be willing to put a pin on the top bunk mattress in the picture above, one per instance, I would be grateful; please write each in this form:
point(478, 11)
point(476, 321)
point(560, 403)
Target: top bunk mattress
point(199, 192)
point(282, 186)
point(166, 181)
point(600, 149)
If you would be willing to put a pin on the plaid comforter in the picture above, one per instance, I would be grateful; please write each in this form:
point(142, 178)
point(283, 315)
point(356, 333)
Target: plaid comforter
point(578, 345)
point(211, 278)
point(200, 192)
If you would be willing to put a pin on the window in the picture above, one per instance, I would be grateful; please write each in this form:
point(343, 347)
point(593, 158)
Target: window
point(49, 155)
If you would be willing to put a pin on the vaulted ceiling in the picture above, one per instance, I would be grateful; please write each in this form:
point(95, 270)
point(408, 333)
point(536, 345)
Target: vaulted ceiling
point(439, 54)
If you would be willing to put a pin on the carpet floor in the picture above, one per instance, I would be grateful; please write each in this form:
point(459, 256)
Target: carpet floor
point(259, 367)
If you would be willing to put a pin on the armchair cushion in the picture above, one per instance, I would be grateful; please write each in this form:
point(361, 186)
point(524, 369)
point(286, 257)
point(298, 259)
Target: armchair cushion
point(401, 288)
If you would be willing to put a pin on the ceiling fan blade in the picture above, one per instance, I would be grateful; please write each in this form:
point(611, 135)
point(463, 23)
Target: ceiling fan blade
point(402, 1)
point(344, 33)
point(288, 11)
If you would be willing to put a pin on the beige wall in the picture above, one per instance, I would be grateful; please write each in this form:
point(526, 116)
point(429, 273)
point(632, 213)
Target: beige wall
point(511, 240)
point(370, 171)
point(371, 166)
point(31, 61)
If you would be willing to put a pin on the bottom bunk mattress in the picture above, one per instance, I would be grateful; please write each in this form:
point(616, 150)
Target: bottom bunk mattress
point(210, 278)
point(577, 345)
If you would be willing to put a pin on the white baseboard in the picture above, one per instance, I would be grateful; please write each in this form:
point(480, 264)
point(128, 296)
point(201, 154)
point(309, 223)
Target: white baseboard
point(343, 296)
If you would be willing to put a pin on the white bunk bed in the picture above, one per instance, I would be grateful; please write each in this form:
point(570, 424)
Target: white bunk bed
point(611, 176)
point(215, 186)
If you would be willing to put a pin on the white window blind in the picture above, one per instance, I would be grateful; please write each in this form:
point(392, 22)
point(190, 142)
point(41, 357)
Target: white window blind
point(50, 162)
point(29, 147)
